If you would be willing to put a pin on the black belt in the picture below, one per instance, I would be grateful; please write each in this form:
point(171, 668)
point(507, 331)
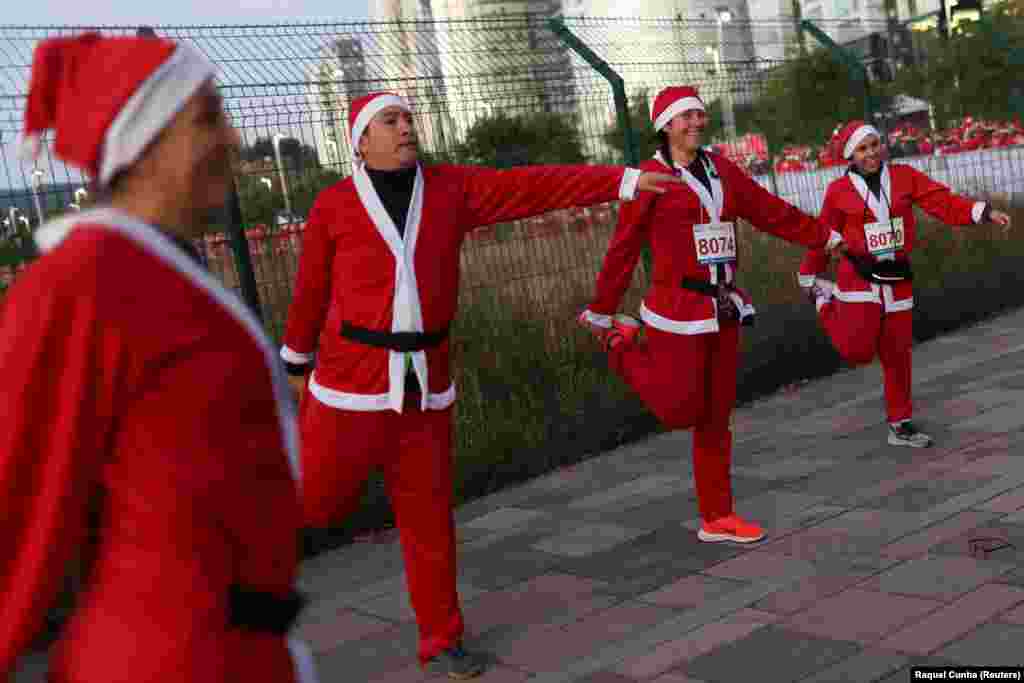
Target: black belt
point(700, 286)
point(396, 341)
point(881, 272)
point(257, 610)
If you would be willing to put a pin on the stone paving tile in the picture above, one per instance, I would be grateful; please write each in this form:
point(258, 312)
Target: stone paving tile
point(926, 494)
point(691, 590)
point(541, 649)
point(992, 541)
point(670, 655)
point(1013, 616)
point(587, 540)
point(361, 660)
point(809, 591)
point(342, 626)
point(902, 675)
point(605, 677)
point(791, 468)
point(769, 654)
point(929, 537)
point(936, 577)
point(631, 493)
point(504, 518)
point(951, 622)
point(869, 664)
point(672, 677)
point(989, 645)
point(759, 565)
point(996, 420)
point(396, 606)
point(860, 615)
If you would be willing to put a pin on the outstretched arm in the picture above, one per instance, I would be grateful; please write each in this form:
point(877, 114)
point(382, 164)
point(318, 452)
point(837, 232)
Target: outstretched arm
point(773, 215)
point(938, 201)
point(497, 196)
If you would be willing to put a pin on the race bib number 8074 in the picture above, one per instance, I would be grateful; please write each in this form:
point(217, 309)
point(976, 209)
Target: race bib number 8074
point(714, 242)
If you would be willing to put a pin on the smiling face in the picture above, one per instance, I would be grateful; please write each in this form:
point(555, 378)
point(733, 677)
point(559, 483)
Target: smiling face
point(389, 142)
point(867, 156)
point(686, 129)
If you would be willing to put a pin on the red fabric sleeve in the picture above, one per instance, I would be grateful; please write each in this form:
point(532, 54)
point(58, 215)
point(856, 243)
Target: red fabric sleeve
point(773, 215)
point(312, 295)
point(816, 260)
point(938, 201)
point(59, 361)
point(497, 196)
point(631, 232)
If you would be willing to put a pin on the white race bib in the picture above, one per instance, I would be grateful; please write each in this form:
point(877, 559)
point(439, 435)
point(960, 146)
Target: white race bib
point(715, 243)
point(884, 238)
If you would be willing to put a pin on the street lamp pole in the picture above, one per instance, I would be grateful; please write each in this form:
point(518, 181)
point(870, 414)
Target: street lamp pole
point(36, 176)
point(280, 170)
point(724, 16)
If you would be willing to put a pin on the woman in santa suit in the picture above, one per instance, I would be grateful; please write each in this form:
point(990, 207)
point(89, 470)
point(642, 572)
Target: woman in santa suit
point(138, 388)
point(686, 370)
point(868, 309)
point(376, 292)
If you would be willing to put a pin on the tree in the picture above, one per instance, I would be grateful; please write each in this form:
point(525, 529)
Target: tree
point(502, 140)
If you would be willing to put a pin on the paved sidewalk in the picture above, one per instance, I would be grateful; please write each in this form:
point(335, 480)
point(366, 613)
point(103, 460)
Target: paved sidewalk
point(879, 557)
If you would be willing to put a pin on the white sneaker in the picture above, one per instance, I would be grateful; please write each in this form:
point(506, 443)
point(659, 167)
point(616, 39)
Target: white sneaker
point(906, 434)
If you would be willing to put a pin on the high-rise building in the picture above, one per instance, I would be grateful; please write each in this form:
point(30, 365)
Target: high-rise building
point(340, 77)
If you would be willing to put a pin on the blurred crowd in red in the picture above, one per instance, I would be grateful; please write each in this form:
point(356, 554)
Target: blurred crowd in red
point(750, 151)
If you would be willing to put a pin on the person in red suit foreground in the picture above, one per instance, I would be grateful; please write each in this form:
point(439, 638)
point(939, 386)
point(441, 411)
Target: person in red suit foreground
point(376, 292)
point(868, 309)
point(686, 370)
point(140, 390)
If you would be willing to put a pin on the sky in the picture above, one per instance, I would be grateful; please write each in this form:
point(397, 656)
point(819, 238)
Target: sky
point(156, 12)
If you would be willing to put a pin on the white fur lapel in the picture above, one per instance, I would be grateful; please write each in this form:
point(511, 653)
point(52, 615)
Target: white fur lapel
point(878, 205)
point(713, 201)
point(407, 312)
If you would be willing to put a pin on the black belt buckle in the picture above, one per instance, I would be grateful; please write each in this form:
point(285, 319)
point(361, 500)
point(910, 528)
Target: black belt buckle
point(257, 610)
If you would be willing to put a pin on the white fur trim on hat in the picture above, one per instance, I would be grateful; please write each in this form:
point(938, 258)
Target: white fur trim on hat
point(677, 107)
point(371, 109)
point(857, 138)
point(148, 111)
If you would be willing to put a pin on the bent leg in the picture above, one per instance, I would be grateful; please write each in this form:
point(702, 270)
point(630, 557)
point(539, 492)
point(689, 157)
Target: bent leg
point(853, 328)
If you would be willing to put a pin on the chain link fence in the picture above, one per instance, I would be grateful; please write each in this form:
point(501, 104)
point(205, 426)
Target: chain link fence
point(509, 90)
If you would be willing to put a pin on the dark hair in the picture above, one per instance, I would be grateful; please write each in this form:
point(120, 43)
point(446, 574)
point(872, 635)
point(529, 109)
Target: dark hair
point(665, 148)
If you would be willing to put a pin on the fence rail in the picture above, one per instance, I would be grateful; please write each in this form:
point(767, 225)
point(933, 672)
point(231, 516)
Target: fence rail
point(499, 90)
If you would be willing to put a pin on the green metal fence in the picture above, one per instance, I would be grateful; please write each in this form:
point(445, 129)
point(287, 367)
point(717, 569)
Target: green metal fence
point(516, 89)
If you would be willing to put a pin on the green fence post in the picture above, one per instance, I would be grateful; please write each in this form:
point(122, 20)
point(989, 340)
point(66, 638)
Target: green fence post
point(629, 146)
point(243, 260)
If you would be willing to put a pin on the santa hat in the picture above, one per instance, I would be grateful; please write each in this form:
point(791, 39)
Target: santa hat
point(853, 134)
point(674, 100)
point(108, 98)
point(365, 108)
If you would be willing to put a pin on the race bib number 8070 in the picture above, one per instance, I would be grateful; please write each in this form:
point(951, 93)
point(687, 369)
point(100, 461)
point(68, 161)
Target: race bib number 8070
point(714, 242)
point(885, 238)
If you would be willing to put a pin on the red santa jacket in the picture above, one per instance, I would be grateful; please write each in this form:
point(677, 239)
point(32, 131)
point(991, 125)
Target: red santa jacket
point(849, 206)
point(355, 268)
point(132, 377)
point(667, 222)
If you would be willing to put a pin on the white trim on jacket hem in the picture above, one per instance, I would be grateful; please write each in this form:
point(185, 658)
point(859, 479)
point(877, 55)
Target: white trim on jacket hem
point(343, 400)
point(664, 324)
point(303, 661)
point(599, 319)
point(878, 294)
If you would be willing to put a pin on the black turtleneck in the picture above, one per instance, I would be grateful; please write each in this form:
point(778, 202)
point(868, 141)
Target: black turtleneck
point(395, 191)
point(873, 180)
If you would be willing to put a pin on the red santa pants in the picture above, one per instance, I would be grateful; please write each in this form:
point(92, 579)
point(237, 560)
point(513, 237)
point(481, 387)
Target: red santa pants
point(689, 380)
point(860, 330)
point(414, 450)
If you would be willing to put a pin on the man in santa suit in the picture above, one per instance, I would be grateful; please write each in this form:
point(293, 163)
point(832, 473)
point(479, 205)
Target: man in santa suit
point(868, 309)
point(138, 388)
point(376, 292)
point(685, 371)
